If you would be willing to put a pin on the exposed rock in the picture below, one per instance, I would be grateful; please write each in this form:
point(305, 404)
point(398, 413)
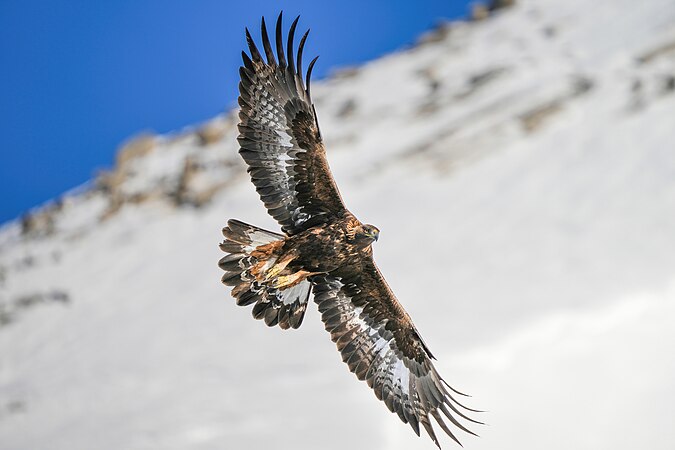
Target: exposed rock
point(499, 4)
point(27, 301)
point(479, 80)
point(213, 131)
point(438, 34)
point(10, 310)
point(40, 222)
point(135, 147)
point(479, 11)
point(194, 188)
point(581, 85)
point(15, 406)
point(347, 108)
point(110, 182)
point(534, 118)
point(657, 52)
point(344, 73)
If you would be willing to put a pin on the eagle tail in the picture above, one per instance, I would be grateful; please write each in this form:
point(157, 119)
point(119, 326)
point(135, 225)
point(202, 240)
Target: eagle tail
point(250, 249)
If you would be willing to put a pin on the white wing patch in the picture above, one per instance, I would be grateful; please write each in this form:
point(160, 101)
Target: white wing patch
point(257, 238)
point(295, 293)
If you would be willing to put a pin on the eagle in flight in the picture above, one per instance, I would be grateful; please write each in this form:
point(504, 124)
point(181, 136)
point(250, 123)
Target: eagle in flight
point(324, 249)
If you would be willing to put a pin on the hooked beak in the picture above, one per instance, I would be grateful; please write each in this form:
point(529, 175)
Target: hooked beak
point(376, 234)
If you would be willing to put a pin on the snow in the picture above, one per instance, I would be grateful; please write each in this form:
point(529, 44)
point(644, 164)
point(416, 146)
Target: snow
point(522, 174)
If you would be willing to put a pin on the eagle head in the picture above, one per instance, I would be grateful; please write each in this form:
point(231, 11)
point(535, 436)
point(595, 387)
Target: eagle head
point(364, 235)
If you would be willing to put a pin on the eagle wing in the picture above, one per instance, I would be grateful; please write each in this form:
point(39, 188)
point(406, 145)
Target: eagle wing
point(280, 139)
point(380, 344)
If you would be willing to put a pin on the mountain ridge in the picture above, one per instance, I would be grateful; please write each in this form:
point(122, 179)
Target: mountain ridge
point(520, 169)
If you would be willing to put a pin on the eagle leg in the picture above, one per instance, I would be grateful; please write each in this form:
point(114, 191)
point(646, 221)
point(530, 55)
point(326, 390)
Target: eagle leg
point(276, 269)
point(286, 281)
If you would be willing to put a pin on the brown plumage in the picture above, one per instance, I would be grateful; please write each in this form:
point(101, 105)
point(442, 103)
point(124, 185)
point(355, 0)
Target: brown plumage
point(324, 248)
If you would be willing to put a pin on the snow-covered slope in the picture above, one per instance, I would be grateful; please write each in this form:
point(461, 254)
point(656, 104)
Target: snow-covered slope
point(522, 171)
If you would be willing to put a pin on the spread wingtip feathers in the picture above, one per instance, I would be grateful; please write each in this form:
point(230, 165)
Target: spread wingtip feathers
point(286, 59)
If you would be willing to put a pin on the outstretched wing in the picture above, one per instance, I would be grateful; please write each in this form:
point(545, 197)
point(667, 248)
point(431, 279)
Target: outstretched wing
point(280, 139)
point(380, 344)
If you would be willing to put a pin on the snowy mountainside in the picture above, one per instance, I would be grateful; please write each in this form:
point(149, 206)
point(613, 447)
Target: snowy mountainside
point(522, 171)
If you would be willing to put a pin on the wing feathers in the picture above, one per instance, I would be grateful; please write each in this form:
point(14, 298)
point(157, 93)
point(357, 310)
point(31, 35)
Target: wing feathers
point(255, 54)
point(301, 47)
point(271, 61)
point(279, 137)
point(380, 345)
point(289, 48)
point(248, 64)
point(309, 75)
point(280, 43)
point(286, 307)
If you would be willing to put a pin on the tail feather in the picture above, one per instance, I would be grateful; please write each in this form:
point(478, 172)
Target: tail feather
point(286, 307)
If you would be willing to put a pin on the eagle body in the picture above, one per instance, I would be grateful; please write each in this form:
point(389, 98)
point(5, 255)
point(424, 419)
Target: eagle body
point(323, 249)
point(319, 250)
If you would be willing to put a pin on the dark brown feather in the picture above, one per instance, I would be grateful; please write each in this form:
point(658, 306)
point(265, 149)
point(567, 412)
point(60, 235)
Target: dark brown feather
point(280, 42)
point(301, 47)
point(289, 48)
point(271, 61)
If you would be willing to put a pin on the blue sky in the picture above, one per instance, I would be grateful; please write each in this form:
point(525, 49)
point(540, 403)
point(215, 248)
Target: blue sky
point(79, 77)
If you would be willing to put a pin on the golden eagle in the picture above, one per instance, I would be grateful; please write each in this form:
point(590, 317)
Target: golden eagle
point(324, 249)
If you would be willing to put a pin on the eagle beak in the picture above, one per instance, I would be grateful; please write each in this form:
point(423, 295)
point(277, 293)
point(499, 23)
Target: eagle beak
point(376, 235)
